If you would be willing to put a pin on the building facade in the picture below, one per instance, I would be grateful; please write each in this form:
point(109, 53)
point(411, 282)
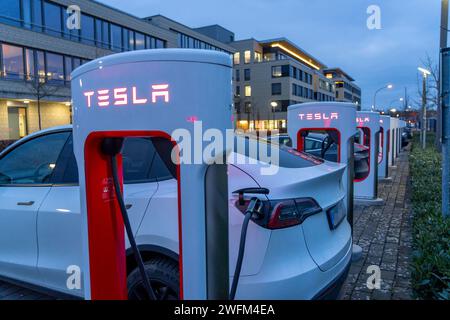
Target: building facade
point(269, 76)
point(38, 52)
point(346, 89)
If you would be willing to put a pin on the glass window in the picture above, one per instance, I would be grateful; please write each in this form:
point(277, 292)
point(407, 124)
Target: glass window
point(26, 13)
point(12, 62)
point(247, 56)
point(247, 74)
point(162, 167)
point(116, 37)
point(238, 75)
point(238, 91)
point(40, 59)
point(140, 41)
point(258, 56)
point(55, 67)
point(276, 71)
point(105, 34)
point(10, 12)
point(37, 15)
point(276, 88)
point(76, 63)
point(160, 44)
point(98, 32)
point(32, 162)
point(67, 67)
point(248, 91)
point(150, 42)
point(52, 18)
point(237, 58)
point(131, 40)
point(29, 64)
point(126, 39)
point(87, 29)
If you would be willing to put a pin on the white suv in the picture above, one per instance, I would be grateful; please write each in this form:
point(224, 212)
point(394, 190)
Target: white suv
point(300, 250)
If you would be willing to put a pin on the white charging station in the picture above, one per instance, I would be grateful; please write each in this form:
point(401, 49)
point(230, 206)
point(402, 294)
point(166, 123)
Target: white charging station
point(384, 152)
point(393, 142)
point(152, 93)
point(338, 121)
point(366, 187)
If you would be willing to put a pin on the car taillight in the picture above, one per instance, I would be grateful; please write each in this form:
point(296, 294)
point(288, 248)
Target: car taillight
point(287, 213)
point(283, 213)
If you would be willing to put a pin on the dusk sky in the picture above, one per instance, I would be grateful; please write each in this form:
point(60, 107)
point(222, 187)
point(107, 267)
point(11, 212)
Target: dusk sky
point(334, 31)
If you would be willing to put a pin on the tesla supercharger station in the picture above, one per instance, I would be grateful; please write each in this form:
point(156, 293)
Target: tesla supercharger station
point(150, 93)
point(366, 187)
point(384, 152)
point(338, 120)
point(393, 140)
point(402, 125)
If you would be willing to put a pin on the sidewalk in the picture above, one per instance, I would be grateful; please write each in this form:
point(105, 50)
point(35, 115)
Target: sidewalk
point(384, 233)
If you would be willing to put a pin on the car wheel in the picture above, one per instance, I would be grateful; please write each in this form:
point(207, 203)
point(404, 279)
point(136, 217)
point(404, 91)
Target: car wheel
point(164, 278)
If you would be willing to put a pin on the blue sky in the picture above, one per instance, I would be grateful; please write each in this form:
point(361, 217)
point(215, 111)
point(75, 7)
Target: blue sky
point(334, 31)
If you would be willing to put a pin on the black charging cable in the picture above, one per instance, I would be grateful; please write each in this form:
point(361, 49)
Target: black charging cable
point(111, 147)
point(253, 210)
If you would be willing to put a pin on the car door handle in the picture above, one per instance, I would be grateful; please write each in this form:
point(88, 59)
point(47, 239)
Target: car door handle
point(26, 203)
point(128, 206)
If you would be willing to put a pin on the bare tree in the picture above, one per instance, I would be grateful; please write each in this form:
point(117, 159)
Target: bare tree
point(432, 84)
point(41, 89)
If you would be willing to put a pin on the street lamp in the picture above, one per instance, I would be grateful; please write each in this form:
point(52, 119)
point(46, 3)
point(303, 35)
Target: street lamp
point(425, 74)
point(388, 86)
point(274, 105)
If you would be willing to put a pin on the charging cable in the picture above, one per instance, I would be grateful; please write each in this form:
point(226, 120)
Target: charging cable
point(253, 210)
point(111, 147)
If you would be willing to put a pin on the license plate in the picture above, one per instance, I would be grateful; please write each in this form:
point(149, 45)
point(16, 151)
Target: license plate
point(336, 215)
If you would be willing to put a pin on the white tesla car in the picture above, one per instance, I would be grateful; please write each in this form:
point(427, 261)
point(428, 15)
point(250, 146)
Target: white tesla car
point(300, 250)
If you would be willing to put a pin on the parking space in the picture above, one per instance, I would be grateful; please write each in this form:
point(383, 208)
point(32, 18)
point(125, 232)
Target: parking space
point(384, 233)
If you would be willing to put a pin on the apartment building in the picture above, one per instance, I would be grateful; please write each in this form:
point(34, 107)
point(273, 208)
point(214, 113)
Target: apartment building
point(346, 89)
point(38, 52)
point(269, 76)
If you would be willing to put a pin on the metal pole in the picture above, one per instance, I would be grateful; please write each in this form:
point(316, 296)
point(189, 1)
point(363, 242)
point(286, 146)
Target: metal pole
point(445, 125)
point(424, 111)
point(443, 44)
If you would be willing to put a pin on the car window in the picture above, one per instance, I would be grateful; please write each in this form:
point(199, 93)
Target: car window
point(33, 161)
point(311, 144)
point(141, 163)
point(66, 171)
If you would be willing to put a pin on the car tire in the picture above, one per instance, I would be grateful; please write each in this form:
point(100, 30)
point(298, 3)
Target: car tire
point(164, 279)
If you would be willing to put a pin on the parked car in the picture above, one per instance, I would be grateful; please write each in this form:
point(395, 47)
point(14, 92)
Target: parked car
point(406, 137)
point(317, 143)
point(300, 250)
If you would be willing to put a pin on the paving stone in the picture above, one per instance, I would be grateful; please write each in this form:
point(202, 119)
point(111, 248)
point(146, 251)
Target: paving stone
point(384, 233)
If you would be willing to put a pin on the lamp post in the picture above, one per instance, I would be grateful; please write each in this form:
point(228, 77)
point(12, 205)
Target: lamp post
point(388, 86)
point(425, 74)
point(274, 105)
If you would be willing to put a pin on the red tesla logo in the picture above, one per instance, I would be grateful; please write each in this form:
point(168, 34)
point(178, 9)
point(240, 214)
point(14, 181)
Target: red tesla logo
point(125, 96)
point(319, 116)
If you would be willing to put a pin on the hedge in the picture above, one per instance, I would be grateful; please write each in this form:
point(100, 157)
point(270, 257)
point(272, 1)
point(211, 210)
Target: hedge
point(431, 232)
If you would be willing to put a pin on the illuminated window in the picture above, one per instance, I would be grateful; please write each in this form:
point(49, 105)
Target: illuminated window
point(258, 56)
point(247, 56)
point(236, 58)
point(248, 91)
point(276, 71)
point(329, 76)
